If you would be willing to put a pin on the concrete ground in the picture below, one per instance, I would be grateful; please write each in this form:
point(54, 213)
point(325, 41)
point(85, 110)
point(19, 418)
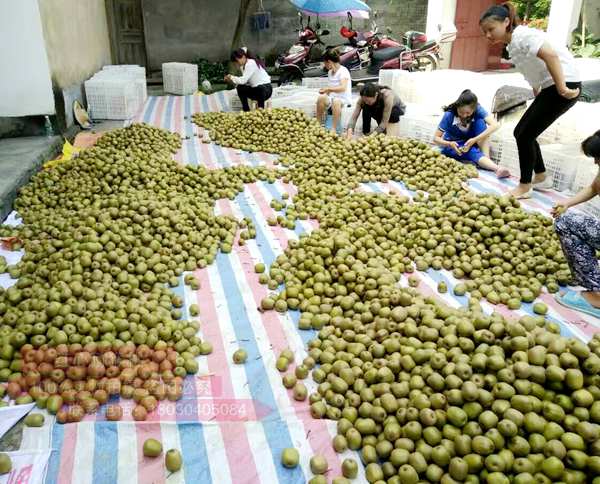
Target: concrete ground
point(20, 159)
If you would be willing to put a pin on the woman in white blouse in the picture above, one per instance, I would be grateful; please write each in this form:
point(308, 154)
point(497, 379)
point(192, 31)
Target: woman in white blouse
point(254, 83)
point(551, 72)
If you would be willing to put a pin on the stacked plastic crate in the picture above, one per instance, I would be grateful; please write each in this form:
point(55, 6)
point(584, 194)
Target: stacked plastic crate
point(503, 149)
point(116, 92)
point(304, 99)
point(586, 171)
point(562, 163)
point(315, 82)
point(138, 73)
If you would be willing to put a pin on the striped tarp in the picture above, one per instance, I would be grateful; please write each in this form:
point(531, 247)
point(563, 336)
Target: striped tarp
point(234, 420)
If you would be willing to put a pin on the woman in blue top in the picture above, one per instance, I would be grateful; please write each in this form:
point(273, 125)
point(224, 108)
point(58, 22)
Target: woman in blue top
point(464, 133)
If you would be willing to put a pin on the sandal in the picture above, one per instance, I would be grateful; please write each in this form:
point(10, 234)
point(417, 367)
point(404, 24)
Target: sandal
point(574, 300)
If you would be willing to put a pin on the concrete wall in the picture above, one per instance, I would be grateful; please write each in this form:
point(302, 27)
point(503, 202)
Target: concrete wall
point(78, 45)
point(183, 30)
point(77, 42)
point(592, 14)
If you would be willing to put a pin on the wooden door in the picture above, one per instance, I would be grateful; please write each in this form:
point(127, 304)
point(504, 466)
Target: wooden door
point(470, 50)
point(126, 26)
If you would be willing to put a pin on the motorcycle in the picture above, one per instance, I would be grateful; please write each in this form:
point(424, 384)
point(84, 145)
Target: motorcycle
point(364, 55)
point(303, 59)
point(304, 56)
point(372, 38)
point(416, 53)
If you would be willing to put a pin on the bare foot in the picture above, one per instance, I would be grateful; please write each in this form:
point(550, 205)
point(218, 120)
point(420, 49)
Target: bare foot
point(521, 191)
point(502, 172)
point(592, 297)
point(539, 177)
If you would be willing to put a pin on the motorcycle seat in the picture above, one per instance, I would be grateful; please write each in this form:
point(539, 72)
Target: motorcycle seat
point(388, 53)
point(427, 45)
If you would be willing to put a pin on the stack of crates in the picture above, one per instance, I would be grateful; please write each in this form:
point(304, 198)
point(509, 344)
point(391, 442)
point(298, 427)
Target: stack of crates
point(418, 125)
point(180, 78)
point(138, 73)
point(116, 92)
point(315, 82)
point(503, 149)
point(561, 163)
point(586, 172)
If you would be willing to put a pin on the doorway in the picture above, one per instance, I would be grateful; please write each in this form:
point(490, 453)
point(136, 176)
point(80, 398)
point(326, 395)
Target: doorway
point(126, 26)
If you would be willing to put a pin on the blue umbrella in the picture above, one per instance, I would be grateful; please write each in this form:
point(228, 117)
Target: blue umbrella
point(333, 8)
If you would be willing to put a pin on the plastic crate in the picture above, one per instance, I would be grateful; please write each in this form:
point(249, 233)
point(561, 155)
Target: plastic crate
point(506, 154)
point(180, 78)
point(558, 160)
point(309, 107)
point(425, 128)
point(315, 82)
point(128, 68)
point(136, 73)
point(287, 90)
point(418, 126)
point(111, 98)
point(345, 119)
point(586, 171)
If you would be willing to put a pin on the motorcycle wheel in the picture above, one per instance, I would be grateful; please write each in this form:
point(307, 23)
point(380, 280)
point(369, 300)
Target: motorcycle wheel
point(427, 63)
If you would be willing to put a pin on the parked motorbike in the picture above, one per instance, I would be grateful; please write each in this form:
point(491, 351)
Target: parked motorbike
point(416, 53)
point(364, 55)
point(372, 38)
point(305, 55)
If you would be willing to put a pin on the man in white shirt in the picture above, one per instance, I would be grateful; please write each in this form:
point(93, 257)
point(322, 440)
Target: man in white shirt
point(339, 92)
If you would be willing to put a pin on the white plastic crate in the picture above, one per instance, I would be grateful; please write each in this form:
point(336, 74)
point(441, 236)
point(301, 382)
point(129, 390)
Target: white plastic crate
point(387, 77)
point(111, 98)
point(127, 71)
point(180, 78)
point(233, 100)
point(504, 152)
point(347, 115)
point(425, 128)
point(290, 90)
point(315, 82)
point(418, 126)
point(134, 70)
point(236, 105)
point(441, 87)
point(586, 171)
point(558, 160)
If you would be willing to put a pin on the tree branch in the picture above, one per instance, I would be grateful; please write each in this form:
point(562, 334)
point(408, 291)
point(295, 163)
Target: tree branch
point(241, 20)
